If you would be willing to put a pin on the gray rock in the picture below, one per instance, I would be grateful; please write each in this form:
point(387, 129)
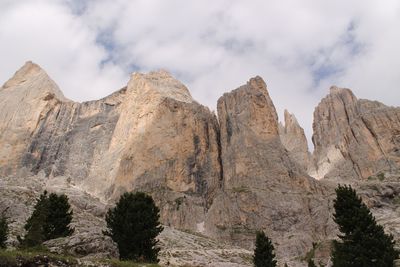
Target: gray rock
point(354, 138)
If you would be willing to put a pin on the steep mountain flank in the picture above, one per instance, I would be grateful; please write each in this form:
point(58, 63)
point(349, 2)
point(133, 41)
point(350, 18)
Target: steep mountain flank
point(263, 187)
point(149, 135)
point(25, 100)
point(295, 141)
point(355, 138)
point(216, 180)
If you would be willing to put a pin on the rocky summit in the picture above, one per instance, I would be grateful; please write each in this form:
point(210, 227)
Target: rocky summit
point(217, 179)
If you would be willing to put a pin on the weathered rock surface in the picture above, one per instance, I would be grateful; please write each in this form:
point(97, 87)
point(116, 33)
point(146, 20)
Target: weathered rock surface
point(149, 135)
point(295, 141)
point(24, 101)
point(223, 178)
point(178, 248)
point(355, 138)
point(264, 189)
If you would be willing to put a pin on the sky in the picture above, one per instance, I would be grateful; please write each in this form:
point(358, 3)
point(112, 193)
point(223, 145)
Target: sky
point(300, 48)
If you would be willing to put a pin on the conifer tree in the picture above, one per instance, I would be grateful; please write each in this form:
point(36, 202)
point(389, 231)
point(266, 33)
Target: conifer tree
point(3, 230)
point(134, 225)
point(311, 263)
point(363, 242)
point(264, 255)
point(34, 225)
point(50, 219)
point(59, 216)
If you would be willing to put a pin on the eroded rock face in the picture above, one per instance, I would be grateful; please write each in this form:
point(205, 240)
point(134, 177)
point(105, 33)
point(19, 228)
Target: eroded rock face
point(355, 138)
point(147, 136)
point(295, 141)
point(25, 100)
point(263, 187)
point(224, 179)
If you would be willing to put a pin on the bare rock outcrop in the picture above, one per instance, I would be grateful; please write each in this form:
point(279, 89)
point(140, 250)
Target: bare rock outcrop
point(219, 180)
point(263, 187)
point(294, 140)
point(25, 100)
point(354, 138)
point(150, 135)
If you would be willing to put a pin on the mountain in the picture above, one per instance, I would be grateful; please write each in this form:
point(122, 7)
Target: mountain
point(355, 138)
point(216, 178)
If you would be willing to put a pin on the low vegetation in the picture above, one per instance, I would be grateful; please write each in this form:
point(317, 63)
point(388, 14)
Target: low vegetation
point(39, 256)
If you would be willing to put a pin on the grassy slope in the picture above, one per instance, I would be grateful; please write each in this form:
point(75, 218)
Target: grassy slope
point(11, 258)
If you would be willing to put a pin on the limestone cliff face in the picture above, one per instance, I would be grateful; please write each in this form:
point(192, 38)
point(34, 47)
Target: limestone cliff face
point(295, 141)
point(24, 101)
point(225, 177)
point(263, 187)
point(355, 138)
point(149, 135)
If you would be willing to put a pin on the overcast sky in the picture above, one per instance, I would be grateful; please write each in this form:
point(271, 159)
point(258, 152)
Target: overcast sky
point(300, 48)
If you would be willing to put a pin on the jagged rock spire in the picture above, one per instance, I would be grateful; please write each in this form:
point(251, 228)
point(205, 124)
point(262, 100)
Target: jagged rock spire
point(354, 138)
point(294, 140)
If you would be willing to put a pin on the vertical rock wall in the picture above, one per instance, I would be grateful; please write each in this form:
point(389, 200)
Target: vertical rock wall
point(354, 138)
point(295, 141)
point(264, 189)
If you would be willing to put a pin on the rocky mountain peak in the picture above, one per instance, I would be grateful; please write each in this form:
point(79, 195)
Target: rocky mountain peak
point(224, 177)
point(27, 71)
point(249, 105)
point(354, 138)
point(161, 83)
point(290, 120)
point(294, 140)
point(31, 80)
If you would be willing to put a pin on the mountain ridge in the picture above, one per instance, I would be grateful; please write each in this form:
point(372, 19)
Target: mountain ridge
point(223, 177)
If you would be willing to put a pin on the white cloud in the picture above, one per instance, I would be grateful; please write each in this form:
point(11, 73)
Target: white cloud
point(47, 33)
point(300, 48)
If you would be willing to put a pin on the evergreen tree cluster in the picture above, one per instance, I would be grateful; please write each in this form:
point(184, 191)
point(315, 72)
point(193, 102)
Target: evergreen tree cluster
point(50, 219)
point(363, 242)
point(134, 225)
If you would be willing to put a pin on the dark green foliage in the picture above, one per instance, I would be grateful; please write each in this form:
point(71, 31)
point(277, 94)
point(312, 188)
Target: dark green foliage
point(3, 230)
point(311, 263)
point(134, 225)
point(264, 255)
point(34, 225)
point(363, 242)
point(50, 219)
point(59, 216)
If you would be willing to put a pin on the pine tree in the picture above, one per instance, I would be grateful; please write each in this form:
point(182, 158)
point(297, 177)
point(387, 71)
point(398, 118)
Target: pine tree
point(264, 252)
point(34, 225)
point(363, 242)
point(3, 230)
point(50, 219)
point(134, 225)
point(59, 216)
